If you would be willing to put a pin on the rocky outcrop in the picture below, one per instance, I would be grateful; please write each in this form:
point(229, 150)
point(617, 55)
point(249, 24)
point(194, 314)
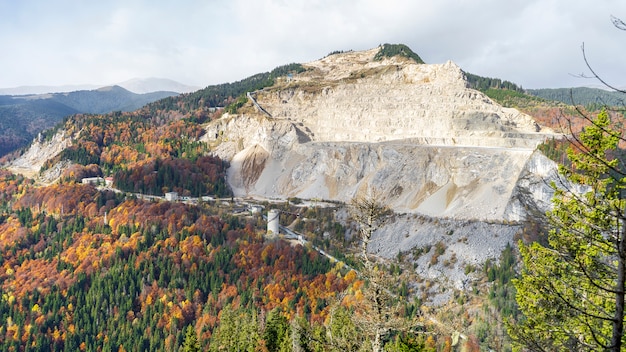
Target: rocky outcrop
point(40, 151)
point(465, 246)
point(467, 183)
point(533, 191)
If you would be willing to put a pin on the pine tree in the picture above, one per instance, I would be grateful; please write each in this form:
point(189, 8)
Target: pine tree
point(191, 343)
point(572, 291)
point(237, 330)
point(276, 332)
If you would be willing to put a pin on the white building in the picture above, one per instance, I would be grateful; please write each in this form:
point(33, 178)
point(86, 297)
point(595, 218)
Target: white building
point(92, 181)
point(256, 209)
point(171, 196)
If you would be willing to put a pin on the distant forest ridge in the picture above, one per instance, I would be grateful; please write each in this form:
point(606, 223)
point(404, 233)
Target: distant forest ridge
point(591, 98)
point(224, 94)
point(485, 83)
point(588, 97)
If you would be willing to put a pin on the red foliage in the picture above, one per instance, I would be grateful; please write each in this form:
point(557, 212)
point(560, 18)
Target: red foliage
point(272, 271)
point(77, 172)
point(66, 199)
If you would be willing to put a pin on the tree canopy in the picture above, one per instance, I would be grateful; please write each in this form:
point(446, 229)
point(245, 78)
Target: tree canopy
point(572, 291)
point(391, 50)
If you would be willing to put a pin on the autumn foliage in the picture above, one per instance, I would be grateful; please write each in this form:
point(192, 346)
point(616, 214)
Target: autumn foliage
point(145, 153)
point(73, 255)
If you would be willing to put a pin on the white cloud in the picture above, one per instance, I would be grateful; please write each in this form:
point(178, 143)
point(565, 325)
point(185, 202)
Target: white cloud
point(535, 43)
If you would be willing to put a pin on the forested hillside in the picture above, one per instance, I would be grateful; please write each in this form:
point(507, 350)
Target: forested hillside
point(484, 83)
point(591, 98)
point(391, 50)
point(23, 117)
point(84, 269)
point(20, 122)
point(222, 95)
point(144, 154)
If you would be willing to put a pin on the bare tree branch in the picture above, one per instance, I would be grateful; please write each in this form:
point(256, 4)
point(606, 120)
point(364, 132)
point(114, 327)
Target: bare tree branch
point(618, 23)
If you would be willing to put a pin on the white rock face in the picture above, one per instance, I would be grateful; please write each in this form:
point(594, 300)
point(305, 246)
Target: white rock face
point(414, 132)
point(386, 100)
point(533, 192)
point(39, 152)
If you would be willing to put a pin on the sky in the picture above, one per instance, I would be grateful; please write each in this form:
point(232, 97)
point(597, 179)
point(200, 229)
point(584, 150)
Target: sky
point(533, 43)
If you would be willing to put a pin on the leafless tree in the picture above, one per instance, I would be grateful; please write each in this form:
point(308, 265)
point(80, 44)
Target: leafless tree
point(380, 310)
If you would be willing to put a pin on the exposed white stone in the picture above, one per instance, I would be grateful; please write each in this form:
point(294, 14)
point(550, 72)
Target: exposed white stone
point(40, 151)
point(414, 132)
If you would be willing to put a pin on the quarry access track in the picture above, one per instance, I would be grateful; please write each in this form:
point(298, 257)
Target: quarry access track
point(259, 107)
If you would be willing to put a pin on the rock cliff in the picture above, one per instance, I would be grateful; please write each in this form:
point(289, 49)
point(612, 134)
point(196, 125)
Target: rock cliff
point(29, 164)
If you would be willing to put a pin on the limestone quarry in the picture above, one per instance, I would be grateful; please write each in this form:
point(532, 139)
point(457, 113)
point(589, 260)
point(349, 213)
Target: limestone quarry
point(414, 132)
point(454, 165)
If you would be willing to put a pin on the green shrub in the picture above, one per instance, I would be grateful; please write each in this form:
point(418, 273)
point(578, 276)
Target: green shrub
point(391, 50)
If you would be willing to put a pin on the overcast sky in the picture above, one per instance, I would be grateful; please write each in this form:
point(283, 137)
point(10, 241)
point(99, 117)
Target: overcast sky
point(534, 43)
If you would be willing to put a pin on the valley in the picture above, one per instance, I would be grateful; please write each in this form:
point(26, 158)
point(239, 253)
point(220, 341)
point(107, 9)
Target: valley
point(124, 268)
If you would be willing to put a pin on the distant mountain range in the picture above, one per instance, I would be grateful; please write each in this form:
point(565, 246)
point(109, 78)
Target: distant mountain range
point(23, 116)
point(135, 85)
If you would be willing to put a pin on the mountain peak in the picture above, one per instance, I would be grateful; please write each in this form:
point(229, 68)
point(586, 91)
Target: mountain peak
point(113, 88)
point(392, 50)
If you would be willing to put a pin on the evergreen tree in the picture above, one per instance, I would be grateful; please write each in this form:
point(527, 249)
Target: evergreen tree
point(572, 291)
point(341, 331)
point(276, 334)
point(237, 331)
point(191, 343)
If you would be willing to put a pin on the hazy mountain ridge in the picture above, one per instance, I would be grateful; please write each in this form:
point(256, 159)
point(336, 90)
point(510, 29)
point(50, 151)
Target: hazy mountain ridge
point(135, 85)
point(21, 121)
point(107, 99)
point(150, 85)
